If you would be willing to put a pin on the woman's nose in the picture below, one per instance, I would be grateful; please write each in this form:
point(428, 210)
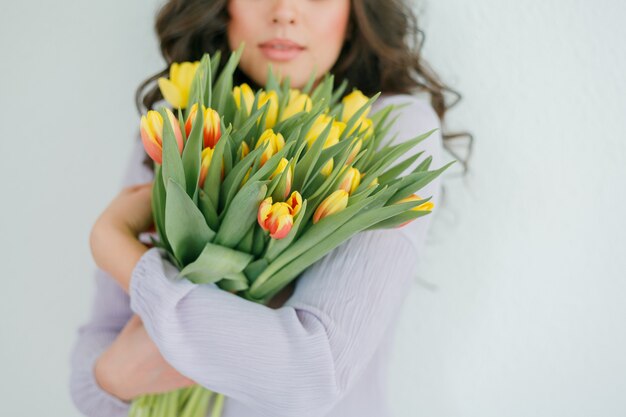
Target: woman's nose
point(284, 12)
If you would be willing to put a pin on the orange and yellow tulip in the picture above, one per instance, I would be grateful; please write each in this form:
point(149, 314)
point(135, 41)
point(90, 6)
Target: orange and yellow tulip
point(175, 90)
point(295, 202)
point(277, 218)
point(151, 130)
point(212, 128)
point(332, 204)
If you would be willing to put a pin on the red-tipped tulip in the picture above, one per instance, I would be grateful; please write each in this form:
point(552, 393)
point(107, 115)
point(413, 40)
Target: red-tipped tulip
point(275, 218)
point(151, 129)
point(332, 204)
point(212, 128)
point(295, 202)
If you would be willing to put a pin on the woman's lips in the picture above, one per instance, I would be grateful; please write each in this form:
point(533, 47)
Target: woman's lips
point(281, 49)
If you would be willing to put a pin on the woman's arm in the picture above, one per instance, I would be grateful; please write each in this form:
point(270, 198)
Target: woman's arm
point(110, 312)
point(302, 358)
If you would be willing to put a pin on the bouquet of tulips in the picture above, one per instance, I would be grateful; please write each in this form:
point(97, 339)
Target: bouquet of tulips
point(251, 188)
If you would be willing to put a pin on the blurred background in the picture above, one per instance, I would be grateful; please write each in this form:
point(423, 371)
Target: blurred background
point(519, 307)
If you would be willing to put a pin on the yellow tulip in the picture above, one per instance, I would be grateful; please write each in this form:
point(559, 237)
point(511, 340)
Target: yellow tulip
point(151, 130)
point(427, 206)
point(245, 178)
point(355, 151)
point(352, 103)
point(366, 129)
point(327, 169)
point(275, 144)
point(244, 149)
point(272, 111)
point(212, 127)
point(319, 125)
point(284, 163)
point(332, 204)
point(350, 180)
point(298, 102)
point(248, 96)
point(175, 90)
point(206, 159)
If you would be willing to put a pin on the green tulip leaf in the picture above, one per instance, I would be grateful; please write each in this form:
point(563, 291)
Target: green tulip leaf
point(214, 263)
point(241, 214)
point(185, 226)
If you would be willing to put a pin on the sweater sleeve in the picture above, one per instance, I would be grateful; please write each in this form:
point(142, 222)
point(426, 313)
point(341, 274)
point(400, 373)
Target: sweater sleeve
point(109, 314)
point(299, 359)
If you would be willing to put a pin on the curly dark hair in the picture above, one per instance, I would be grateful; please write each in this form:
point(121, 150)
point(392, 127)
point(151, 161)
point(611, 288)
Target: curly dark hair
point(382, 52)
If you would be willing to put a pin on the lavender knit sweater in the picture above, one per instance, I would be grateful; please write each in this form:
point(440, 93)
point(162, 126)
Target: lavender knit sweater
point(323, 353)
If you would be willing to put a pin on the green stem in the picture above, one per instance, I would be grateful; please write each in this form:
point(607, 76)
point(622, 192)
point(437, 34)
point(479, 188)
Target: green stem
point(192, 403)
point(218, 405)
point(203, 404)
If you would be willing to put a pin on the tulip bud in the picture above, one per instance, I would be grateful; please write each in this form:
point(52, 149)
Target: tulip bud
point(319, 125)
point(175, 90)
point(355, 151)
point(275, 218)
point(275, 144)
point(373, 182)
point(212, 128)
point(206, 159)
point(272, 110)
point(211, 131)
point(264, 211)
point(427, 206)
point(350, 180)
point(352, 103)
point(295, 202)
point(244, 149)
point(245, 178)
point(334, 203)
point(327, 169)
point(151, 130)
point(280, 221)
point(284, 163)
point(366, 127)
point(248, 96)
point(298, 102)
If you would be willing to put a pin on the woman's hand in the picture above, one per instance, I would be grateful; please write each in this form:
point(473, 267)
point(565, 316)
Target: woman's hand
point(133, 366)
point(114, 237)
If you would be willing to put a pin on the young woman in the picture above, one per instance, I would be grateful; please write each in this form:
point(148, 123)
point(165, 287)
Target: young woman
point(321, 347)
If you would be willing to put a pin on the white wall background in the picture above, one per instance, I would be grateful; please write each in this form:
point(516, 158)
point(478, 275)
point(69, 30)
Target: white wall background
point(519, 308)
